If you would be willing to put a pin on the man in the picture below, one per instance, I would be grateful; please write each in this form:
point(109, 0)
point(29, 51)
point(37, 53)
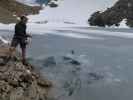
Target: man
point(20, 37)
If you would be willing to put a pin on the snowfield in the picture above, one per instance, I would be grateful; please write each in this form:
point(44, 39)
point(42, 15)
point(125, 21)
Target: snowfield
point(68, 16)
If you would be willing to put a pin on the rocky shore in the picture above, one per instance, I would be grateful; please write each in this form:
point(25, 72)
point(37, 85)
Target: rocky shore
point(20, 82)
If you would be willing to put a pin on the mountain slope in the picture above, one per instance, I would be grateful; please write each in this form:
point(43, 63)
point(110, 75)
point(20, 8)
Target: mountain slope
point(10, 7)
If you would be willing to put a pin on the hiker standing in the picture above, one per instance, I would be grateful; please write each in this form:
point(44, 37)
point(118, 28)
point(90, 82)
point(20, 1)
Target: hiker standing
point(20, 37)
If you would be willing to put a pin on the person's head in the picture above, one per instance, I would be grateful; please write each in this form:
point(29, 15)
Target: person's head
point(24, 19)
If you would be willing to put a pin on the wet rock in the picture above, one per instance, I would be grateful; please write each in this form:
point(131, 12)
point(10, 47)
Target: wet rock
point(3, 69)
point(4, 87)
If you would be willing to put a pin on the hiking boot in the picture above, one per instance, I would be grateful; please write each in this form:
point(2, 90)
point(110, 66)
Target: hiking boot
point(25, 62)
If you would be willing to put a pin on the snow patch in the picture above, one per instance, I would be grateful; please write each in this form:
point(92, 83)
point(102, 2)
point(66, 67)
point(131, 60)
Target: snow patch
point(7, 26)
point(123, 24)
point(4, 40)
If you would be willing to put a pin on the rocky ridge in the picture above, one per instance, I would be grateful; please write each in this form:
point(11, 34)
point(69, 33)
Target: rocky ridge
point(123, 9)
point(9, 8)
point(20, 82)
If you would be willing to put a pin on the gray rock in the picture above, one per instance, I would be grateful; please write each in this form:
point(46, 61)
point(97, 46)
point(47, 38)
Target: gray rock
point(12, 82)
point(44, 83)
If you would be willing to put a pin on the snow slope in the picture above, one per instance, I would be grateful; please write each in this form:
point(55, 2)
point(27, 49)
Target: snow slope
point(77, 11)
point(69, 15)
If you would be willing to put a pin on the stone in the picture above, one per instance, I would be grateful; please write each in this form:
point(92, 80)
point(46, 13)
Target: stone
point(31, 91)
point(12, 82)
point(44, 83)
point(16, 94)
point(4, 87)
point(26, 78)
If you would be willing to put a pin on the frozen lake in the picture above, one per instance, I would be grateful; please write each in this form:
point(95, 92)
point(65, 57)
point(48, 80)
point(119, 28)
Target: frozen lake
point(106, 57)
point(107, 52)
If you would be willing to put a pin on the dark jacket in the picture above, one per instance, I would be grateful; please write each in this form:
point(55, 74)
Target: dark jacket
point(20, 30)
